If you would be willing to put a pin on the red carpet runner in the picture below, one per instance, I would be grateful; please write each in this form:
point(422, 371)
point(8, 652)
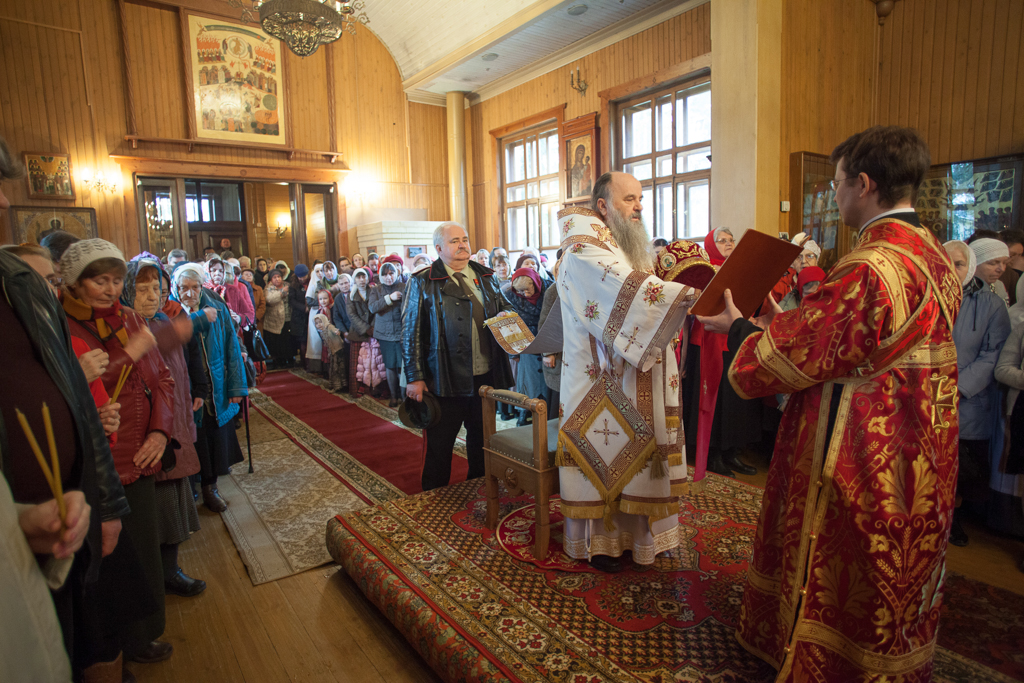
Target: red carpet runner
point(391, 452)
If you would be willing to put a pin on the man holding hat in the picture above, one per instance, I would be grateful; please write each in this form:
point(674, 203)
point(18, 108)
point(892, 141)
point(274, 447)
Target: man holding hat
point(449, 353)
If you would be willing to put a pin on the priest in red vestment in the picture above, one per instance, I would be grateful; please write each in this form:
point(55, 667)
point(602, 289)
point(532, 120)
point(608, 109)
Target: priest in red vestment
point(845, 582)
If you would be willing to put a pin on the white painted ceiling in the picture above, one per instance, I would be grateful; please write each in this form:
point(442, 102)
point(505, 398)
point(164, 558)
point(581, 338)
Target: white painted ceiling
point(438, 45)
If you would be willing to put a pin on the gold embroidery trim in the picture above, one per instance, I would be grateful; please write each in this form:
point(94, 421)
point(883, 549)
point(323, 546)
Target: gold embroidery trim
point(870, 662)
point(578, 211)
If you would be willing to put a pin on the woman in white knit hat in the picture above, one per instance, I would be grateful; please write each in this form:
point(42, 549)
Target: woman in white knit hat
point(981, 328)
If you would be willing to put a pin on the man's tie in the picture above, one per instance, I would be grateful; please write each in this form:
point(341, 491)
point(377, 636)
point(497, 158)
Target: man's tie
point(477, 309)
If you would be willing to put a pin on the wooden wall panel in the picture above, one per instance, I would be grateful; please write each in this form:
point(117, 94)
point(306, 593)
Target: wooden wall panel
point(676, 40)
point(154, 37)
point(63, 91)
point(827, 78)
point(953, 70)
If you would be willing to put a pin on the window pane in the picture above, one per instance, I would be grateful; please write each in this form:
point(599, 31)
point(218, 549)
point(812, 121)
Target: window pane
point(549, 224)
point(516, 228)
point(542, 154)
point(664, 165)
point(698, 213)
point(647, 212)
point(697, 104)
point(696, 160)
point(641, 170)
point(534, 217)
point(516, 194)
point(531, 191)
point(549, 188)
point(514, 160)
point(159, 220)
point(636, 126)
point(664, 132)
point(531, 157)
point(663, 212)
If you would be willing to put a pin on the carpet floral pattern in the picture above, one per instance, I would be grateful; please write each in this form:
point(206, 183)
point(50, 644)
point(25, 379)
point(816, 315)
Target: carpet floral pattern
point(476, 613)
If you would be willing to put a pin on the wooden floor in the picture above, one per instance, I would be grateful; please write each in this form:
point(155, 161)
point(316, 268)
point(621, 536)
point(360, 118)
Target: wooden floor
point(318, 626)
point(315, 626)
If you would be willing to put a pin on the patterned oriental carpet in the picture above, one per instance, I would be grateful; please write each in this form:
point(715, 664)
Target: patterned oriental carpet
point(478, 608)
point(365, 429)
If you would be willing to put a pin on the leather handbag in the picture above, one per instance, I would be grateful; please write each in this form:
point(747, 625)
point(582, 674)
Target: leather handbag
point(255, 345)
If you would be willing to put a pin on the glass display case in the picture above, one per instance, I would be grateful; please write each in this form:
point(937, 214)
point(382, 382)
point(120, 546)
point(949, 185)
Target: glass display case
point(954, 200)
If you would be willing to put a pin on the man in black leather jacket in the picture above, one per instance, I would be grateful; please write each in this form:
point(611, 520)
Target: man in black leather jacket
point(449, 353)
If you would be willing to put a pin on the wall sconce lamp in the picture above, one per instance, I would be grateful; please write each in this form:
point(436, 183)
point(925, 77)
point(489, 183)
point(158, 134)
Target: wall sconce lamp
point(282, 227)
point(579, 85)
point(99, 182)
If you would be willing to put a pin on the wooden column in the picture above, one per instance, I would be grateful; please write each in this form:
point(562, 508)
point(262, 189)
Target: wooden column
point(746, 72)
point(458, 202)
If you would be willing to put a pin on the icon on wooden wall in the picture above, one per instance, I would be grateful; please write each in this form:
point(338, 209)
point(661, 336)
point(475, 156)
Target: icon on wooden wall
point(580, 146)
point(579, 152)
point(49, 176)
point(237, 82)
point(33, 223)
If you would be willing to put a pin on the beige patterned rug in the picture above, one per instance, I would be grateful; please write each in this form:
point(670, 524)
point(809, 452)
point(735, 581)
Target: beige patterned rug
point(277, 515)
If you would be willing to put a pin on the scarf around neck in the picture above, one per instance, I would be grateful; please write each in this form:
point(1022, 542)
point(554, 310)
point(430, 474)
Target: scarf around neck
point(109, 321)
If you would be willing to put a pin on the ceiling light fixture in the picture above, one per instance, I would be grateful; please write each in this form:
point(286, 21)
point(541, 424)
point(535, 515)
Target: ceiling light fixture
point(577, 10)
point(304, 25)
point(489, 57)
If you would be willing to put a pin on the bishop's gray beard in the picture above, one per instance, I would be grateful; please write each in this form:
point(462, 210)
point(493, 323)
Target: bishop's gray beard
point(632, 239)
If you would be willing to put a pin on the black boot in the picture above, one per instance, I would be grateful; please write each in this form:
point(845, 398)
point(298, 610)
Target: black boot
point(716, 464)
point(606, 564)
point(731, 458)
point(184, 585)
point(957, 535)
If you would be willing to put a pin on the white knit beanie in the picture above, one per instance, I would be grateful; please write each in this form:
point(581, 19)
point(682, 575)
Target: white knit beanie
point(987, 249)
point(83, 252)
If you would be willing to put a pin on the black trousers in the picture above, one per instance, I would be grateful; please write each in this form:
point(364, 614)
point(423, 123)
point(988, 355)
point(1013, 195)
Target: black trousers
point(455, 411)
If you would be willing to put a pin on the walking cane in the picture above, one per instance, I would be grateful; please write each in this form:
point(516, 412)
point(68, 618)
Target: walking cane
point(248, 439)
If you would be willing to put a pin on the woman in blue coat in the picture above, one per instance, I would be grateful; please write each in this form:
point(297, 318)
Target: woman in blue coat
point(216, 442)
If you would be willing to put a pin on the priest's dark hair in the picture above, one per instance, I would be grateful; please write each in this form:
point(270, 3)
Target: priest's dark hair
point(10, 168)
point(896, 158)
point(601, 191)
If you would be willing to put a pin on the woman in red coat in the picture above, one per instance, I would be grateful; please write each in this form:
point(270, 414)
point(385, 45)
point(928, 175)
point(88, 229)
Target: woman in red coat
point(132, 600)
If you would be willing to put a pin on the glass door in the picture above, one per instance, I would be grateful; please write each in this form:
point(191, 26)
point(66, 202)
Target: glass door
point(159, 221)
point(216, 217)
point(317, 236)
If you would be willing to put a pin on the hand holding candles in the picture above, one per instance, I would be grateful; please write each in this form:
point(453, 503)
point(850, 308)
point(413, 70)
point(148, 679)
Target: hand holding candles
point(53, 477)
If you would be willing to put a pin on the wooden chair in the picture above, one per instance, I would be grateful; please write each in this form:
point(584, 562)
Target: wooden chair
point(523, 457)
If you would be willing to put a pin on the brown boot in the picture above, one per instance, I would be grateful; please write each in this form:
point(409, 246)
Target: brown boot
point(105, 672)
point(212, 499)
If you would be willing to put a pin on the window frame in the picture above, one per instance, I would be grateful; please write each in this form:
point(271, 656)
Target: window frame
point(547, 129)
point(679, 181)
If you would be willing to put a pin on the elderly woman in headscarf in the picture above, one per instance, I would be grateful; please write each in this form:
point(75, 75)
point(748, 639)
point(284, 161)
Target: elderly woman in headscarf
point(360, 333)
point(981, 329)
point(94, 271)
point(809, 256)
point(314, 344)
point(221, 357)
point(339, 375)
point(221, 280)
point(177, 519)
point(276, 328)
point(527, 298)
point(385, 304)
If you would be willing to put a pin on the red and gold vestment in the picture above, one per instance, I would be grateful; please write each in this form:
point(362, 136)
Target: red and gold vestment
point(848, 563)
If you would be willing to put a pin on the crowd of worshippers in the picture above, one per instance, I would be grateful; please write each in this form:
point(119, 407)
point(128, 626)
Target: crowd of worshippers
point(144, 365)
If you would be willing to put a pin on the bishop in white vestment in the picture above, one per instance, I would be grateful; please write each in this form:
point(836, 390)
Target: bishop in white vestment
point(620, 447)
